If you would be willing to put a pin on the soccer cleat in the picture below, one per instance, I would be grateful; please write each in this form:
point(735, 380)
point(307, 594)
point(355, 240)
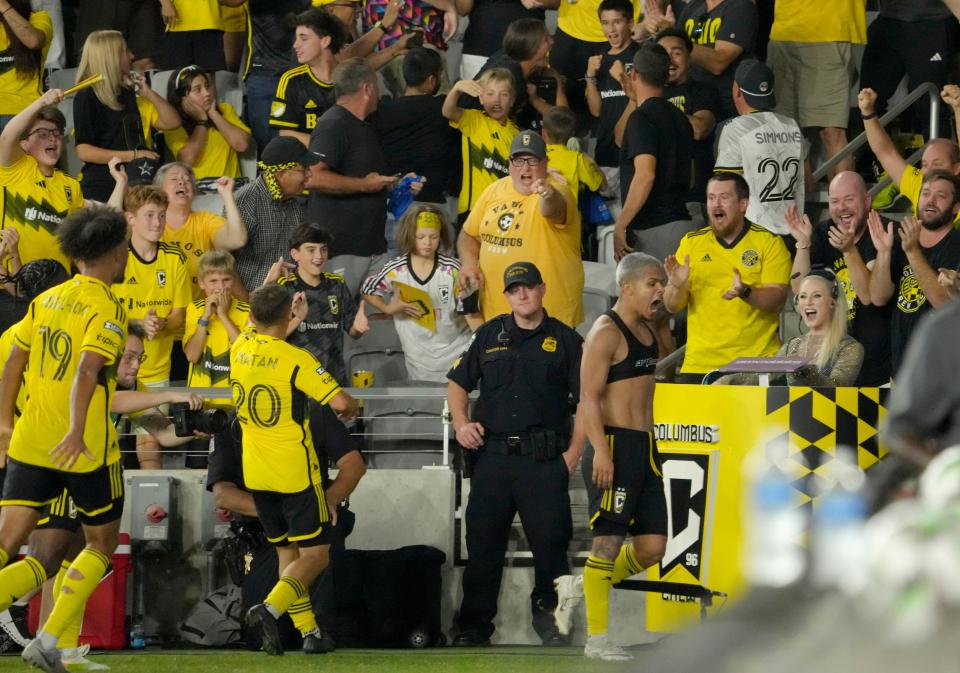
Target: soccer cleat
point(39, 657)
point(9, 626)
point(259, 617)
point(470, 638)
point(76, 660)
point(569, 594)
point(318, 642)
point(601, 647)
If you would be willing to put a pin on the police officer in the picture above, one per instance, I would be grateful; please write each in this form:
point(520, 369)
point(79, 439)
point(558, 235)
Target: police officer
point(527, 366)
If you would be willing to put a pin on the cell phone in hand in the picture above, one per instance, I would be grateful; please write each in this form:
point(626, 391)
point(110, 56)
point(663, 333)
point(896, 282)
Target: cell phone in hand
point(546, 88)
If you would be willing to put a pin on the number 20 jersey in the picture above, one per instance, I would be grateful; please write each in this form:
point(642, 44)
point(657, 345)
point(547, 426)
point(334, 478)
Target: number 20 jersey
point(768, 149)
point(80, 315)
point(271, 382)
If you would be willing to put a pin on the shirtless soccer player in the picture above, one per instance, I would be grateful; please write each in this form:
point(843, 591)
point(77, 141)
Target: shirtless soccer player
point(621, 466)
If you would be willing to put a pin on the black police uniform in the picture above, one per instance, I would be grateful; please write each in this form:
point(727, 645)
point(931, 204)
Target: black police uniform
point(526, 379)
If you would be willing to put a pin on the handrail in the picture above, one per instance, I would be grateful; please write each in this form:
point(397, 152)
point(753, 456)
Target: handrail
point(892, 113)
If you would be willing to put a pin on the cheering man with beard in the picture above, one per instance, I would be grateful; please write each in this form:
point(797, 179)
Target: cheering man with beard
point(843, 245)
point(906, 269)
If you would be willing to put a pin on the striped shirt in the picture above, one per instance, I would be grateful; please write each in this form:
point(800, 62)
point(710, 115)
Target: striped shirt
point(269, 225)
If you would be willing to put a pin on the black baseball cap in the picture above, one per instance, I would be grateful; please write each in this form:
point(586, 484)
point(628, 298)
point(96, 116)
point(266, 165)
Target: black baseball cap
point(521, 272)
point(286, 150)
point(528, 142)
point(755, 79)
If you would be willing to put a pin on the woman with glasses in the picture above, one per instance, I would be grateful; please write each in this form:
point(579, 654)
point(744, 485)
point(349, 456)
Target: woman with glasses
point(24, 40)
point(36, 196)
point(212, 135)
point(116, 116)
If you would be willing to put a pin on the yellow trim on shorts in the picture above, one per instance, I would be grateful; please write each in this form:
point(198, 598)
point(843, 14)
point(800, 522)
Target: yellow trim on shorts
point(275, 540)
point(26, 503)
point(653, 463)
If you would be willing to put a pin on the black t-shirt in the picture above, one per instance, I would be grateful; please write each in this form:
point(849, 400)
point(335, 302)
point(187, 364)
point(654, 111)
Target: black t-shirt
point(98, 125)
point(870, 325)
point(528, 382)
point(12, 310)
point(417, 137)
point(658, 128)
point(913, 10)
point(300, 101)
point(613, 101)
point(489, 20)
point(271, 35)
point(350, 147)
point(689, 97)
point(909, 302)
point(733, 21)
point(331, 311)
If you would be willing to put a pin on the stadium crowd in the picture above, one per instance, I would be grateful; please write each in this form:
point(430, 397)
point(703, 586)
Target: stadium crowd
point(295, 170)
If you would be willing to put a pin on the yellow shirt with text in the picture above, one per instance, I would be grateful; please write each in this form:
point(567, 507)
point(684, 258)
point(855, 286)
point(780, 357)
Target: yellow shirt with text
point(212, 370)
point(486, 154)
point(272, 381)
point(512, 229)
point(195, 237)
point(35, 205)
point(78, 316)
point(163, 285)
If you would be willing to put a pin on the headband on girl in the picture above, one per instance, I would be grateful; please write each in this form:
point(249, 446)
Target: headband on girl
point(428, 219)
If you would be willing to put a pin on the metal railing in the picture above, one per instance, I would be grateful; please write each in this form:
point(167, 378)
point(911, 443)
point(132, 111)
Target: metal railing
point(925, 89)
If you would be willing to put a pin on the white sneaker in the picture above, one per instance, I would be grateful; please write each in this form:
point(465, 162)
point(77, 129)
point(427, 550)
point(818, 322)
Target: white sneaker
point(601, 647)
point(76, 660)
point(10, 627)
point(46, 660)
point(569, 594)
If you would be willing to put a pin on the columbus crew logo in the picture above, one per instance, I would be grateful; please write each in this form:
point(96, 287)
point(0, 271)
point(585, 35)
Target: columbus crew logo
point(506, 221)
point(911, 297)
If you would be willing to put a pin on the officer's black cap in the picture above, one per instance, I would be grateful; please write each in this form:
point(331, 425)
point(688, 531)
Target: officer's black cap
point(521, 272)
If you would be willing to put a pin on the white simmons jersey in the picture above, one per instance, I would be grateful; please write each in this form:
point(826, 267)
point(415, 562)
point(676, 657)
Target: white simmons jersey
point(429, 354)
point(768, 149)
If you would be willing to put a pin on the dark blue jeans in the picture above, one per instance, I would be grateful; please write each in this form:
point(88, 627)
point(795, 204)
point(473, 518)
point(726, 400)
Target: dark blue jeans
point(260, 89)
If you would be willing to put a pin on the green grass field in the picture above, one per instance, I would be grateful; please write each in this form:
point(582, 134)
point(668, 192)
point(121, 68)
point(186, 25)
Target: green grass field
point(437, 660)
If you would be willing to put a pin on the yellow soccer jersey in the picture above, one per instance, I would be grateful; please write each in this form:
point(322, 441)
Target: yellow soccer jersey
point(581, 19)
point(721, 330)
point(910, 185)
point(17, 92)
point(195, 237)
point(213, 367)
point(197, 15)
point(217, 158)
point(234, 18)
point(61, 324)
point(35, 205)
point(511, 229)
point(806, 21)
point(486, 154)
point(6, 345)
point(162, 285)
point(148, 117)
point(578, 169)
point(271, 382)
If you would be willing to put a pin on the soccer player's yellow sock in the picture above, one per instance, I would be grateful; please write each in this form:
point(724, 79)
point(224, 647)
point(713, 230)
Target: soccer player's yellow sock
point(301, 612)
point(17, 579)
point(625, 565)
point(596, 592)
point(70, 637)
point(80, 580)
point(285, 593)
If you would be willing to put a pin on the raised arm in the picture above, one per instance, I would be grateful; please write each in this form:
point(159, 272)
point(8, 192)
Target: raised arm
point(880, 143)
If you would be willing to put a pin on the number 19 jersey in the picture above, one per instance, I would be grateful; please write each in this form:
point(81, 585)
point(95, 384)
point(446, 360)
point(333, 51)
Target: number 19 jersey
point(768, 150)
point(80, 315)
point(271, 382)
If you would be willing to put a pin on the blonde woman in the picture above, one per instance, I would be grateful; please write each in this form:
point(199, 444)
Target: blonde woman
point(835, 357)
point(116, 116)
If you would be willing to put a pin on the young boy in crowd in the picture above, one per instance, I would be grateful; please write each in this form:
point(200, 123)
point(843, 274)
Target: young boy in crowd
point(213, 323)
point(577, 168)
point(487, 133)
point(605, 96)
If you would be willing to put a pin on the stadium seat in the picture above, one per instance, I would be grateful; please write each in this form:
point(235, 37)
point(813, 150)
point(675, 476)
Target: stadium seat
point(211, 202)
point(595, 303)
point(62, 79)
point(600, 277)
point(403, 433)
point(605, 246)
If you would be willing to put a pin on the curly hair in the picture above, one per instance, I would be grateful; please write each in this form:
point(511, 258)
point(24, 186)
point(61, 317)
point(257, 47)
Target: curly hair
point(90, 233)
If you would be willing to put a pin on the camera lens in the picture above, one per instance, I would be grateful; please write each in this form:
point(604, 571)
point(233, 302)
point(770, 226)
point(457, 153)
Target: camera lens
point(211, 421)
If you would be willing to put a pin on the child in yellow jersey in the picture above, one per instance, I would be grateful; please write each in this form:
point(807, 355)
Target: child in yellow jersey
point(271, 381)
point(577, 168)
point(487, 134)
point(213, 323)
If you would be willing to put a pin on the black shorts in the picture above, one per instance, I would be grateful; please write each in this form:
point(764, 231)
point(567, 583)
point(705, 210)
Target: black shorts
point(636, 503)
point(97, 495)
point(299, 518)
point(61, 514)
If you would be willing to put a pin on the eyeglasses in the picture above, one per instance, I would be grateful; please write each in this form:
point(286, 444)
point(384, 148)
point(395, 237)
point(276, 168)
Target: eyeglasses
point(520, 162)
point(46, 134)
point(699, 26)
point(134, 357)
